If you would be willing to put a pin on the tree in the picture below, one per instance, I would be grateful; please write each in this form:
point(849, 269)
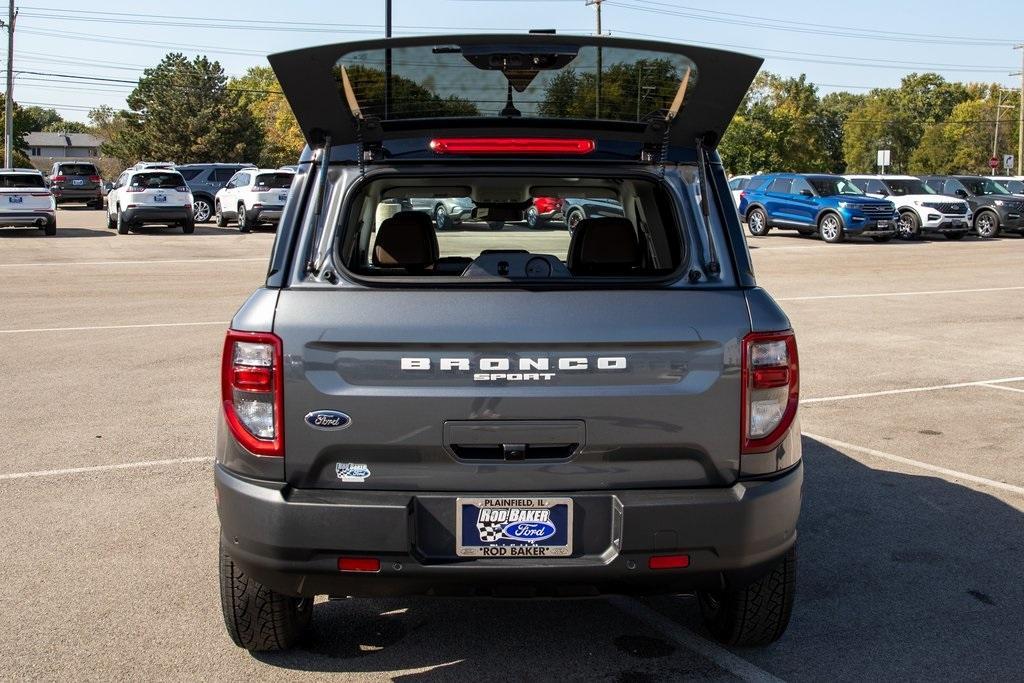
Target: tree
point(963, 143)
point(183, 111)
point(834, 110)
point(259, 91)
point(22, 125)
point(65, 126)
point(630, 91)
point(38, 118)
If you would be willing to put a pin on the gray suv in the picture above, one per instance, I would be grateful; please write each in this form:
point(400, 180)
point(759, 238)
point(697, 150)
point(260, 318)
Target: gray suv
point(511, 412)
point(203, 181)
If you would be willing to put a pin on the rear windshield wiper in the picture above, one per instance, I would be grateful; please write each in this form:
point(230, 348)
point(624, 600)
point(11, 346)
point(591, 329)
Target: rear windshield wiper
point(711, 267)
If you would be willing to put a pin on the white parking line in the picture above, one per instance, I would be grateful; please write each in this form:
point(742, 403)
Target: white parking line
point(716, 653)
point(128, 263)
point(913, 390)
point(944, 471)
point(989, 385)
point(818, 297)
point(103, 468)
point(112, 327)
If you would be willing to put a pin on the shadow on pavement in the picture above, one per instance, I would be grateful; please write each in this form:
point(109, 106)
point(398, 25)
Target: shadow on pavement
point(900, 576)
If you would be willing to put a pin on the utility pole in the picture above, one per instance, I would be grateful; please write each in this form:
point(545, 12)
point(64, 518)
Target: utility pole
point(387, 60)
point(1020, 114)
point(995, 138)
point(597, 94)
point(9, 104)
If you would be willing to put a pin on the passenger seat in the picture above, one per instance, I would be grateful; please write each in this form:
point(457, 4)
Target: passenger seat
point(604, 246)
point(406, 241)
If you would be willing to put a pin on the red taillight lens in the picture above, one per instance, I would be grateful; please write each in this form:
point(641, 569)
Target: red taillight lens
point(252, 389)
point(668, 562)
point(770, 389)
point(58, 178)
point(573, 146)
point(358, 564)
point(95, 179)
point(135, 188)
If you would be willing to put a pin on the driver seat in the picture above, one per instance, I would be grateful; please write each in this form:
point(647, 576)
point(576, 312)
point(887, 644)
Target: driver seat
point(406, 241)
point(604, 246)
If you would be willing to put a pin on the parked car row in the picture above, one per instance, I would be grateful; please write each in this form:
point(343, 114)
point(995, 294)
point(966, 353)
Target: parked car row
point(879, 206)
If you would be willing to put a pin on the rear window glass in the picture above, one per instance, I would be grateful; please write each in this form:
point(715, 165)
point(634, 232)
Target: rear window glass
point(757, 182)
point(161, 181)
point(21, 180)
point(77, 169)
point(551, 81)
point(222, 175)
point(512, 229)
point(273, 181)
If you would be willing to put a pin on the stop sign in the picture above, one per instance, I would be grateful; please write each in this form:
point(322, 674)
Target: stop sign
point(993, 162)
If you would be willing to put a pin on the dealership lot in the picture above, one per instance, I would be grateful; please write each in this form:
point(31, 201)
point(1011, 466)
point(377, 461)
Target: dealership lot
point(911, 535)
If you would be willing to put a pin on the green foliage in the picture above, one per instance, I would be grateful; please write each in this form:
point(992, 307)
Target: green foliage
point(408, 99)
point(963, 143)
point(630, 91)
point(23, 123)
point(183, 111)
point(282, 141)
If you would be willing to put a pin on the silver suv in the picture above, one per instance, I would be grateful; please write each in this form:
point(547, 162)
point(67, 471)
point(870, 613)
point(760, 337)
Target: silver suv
point(510, 412)
point(204, 180)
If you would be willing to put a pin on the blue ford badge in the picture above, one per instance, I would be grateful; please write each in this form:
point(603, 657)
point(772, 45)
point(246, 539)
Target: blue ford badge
point(327, 419)
point(529, 531)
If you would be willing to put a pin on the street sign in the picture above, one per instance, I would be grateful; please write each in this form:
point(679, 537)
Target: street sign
point(993, 162)
point(1008, 162)
point(884, 155)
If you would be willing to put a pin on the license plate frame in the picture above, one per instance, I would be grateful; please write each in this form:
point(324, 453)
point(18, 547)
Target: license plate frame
point(283, 197)
point(77, 181)
point(159, 198)
point(15, 199)
point(492, 541)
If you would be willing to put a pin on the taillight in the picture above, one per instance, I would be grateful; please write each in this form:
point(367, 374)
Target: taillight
point(252, 388)
point(182, 188)
point(95, 179)
point(512, 146)
point(771, 389)
point(58, 178)
point(135, 188)
point(42, 194)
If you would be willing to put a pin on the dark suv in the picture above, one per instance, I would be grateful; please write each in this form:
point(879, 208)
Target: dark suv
point(76, 181)
point(203, 181)
point(996, 209)
point(510, 412)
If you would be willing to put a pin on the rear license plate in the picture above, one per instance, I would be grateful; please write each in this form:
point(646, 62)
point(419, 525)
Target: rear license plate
point(282, 197)
point(77, 181)
point(160, 198)
point(15, 199)
point(513, 527)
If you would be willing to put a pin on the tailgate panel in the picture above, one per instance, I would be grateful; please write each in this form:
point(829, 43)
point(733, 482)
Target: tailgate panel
point(647, 400)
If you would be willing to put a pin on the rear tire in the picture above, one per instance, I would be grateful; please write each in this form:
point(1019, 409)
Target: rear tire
point(202, 210)
point(533, 219)
point(830, 227)
point(755, 614)
point(442, 218)
point(50, 229)
point(258, 618)
point(986, 224)
point(122, 224)
point(573, 218)
point(221, 222)
point(757, 223)
point(188, 226)
point(243, 220)
point(111, 221)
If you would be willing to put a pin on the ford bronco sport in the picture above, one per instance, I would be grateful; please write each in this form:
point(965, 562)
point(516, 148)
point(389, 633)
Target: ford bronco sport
point(512, 412)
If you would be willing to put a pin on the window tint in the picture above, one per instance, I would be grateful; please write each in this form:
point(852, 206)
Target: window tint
point(782, 185)
point(190, 173)
point(935, 184)
point(222, 175)
point(799, 185)
point(274, 181)
point(831, 186)
point(951, 186)
point(744, 182)
point(158, 181)
point(874, 187)
point(21, 180)
point(242, 179)
point(734, 184)
point(757, 183)
point(77, 169)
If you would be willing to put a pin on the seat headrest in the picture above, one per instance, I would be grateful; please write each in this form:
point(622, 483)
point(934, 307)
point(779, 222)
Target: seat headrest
point(406, 240)
point(603, 246)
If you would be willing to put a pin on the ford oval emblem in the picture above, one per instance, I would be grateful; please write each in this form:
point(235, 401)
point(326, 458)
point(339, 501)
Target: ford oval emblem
point(529, 531)
point(327, 419)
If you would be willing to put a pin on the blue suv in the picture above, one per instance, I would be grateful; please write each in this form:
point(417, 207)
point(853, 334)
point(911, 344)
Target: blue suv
point(829, 205)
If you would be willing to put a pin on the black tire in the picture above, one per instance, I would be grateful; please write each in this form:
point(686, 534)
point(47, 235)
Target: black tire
point(122, 224)
point(188, 226)
point(573, 218)
point(756, 614)
point(258, 618)
point(908, 227)
point(243, 219)
point(986, 224)
point(954, 235)
point(50, 228)
point(882, 238)
point(202, 210)
point(441, 217)
point(111, 222)
point(757, 222)
point(830, 227)
point(220, 220)
point(533, 219)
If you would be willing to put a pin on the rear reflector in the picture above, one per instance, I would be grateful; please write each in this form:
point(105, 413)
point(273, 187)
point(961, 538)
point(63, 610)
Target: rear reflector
point(358, 564)
point(512, 146)
point(669, 562)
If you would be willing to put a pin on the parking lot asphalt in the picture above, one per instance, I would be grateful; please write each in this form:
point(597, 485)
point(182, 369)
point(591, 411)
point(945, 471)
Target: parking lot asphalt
point(911, 536)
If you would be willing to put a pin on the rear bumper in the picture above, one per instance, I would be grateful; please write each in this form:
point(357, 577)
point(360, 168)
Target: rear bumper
point(75, 194)
point(291, 539)
point(265, 214)
point(157, 214)
point(33, 219)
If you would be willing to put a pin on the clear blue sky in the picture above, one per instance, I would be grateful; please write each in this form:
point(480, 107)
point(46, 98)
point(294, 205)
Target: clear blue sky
point(839, 45)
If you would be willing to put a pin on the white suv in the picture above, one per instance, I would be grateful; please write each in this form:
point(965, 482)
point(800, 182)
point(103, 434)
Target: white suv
point(149, 195)
point(253, 196)
point(25, 201)
point(921, 209)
